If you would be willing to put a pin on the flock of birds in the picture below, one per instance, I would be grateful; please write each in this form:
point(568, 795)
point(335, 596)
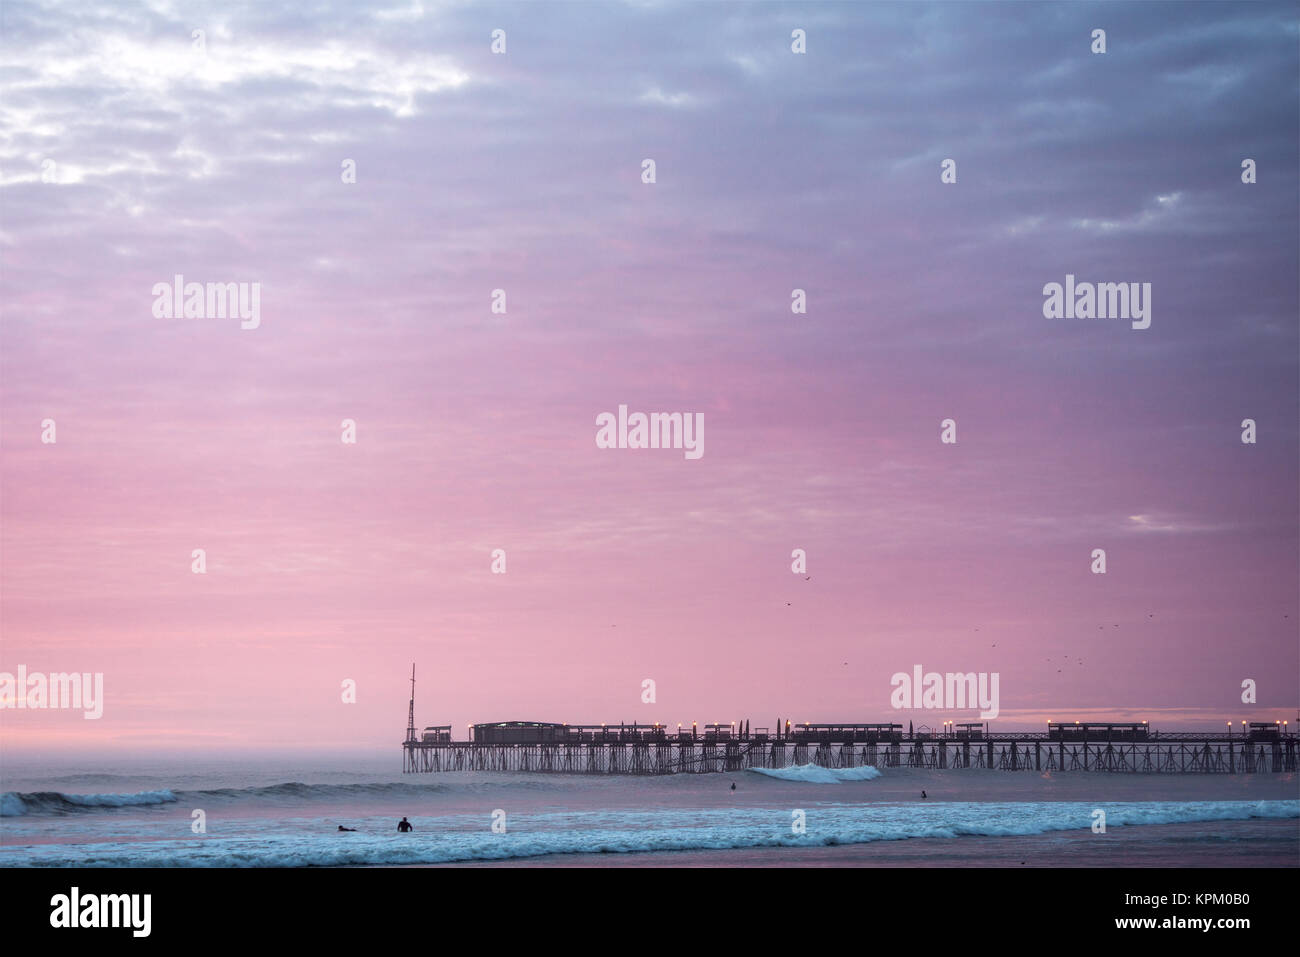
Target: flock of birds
point(1065, 658)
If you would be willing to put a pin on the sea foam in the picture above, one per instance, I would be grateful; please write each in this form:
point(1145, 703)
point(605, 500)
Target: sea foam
point(816, 774)
point(460, 838)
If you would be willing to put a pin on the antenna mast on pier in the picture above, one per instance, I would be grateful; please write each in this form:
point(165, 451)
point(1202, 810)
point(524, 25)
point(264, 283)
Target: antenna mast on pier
point(410, 715)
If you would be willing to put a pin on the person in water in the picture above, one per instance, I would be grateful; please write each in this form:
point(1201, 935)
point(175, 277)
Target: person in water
point(733, 785)
point(923, 794)
point(404, 825)
point(342, 828)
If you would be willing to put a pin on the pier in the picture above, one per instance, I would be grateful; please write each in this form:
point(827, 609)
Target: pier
point(559, 748)
point(641, 749)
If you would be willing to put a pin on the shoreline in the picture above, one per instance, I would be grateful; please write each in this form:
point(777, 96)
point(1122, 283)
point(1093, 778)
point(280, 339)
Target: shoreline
point(1249, 843)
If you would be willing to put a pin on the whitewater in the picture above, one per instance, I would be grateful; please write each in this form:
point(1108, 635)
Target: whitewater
point(250, 819)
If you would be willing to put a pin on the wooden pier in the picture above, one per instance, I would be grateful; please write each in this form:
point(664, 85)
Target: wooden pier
point(638, 749)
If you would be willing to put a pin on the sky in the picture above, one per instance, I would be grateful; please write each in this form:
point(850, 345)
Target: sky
point(133, 150)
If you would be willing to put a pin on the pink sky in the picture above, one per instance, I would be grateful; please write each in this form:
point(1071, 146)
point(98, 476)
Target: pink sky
point(476, 431)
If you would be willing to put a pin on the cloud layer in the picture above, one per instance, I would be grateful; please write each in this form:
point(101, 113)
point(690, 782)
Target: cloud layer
point(129, 155)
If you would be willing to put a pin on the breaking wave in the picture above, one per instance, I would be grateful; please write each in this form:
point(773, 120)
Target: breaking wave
point(15, 804)
point(816, 774)
point(445, 840)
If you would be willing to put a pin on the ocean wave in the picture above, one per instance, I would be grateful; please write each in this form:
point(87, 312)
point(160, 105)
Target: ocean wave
point(14, 803)
point(297, 791)
point(816, 774)
point(439, 840)
point(99, 777)
point(17, 804)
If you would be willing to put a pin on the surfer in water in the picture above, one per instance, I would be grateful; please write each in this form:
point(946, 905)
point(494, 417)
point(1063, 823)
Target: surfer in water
point(733, 785)
point(342, 828)
point(924, 795)
point(404, 825)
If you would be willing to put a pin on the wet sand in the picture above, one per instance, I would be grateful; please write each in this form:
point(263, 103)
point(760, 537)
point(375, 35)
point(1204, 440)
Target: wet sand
point(1261, 843)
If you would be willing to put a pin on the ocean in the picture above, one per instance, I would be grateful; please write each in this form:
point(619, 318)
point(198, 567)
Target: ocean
point(259, 812)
